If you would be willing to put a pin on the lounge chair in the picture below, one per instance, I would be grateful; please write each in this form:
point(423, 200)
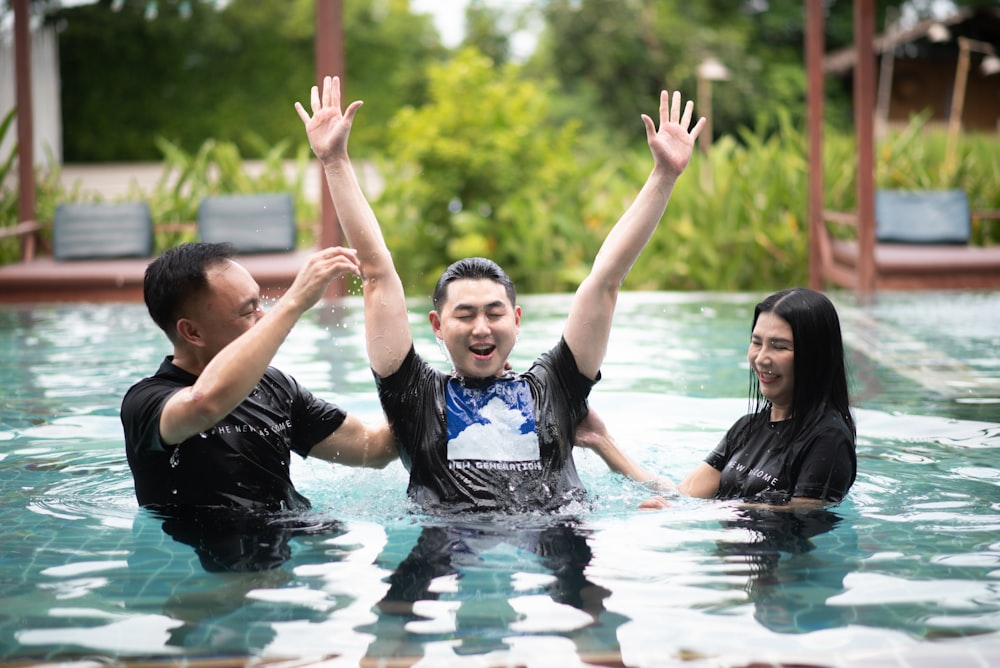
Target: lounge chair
point(253, 223)
point(921, 242)
point(98, 231)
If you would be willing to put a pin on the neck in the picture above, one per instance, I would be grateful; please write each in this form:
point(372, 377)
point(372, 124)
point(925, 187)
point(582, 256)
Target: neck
point(184, 359)
point(780, 413)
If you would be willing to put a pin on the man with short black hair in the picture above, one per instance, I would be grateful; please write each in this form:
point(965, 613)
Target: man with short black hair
point(215, 427)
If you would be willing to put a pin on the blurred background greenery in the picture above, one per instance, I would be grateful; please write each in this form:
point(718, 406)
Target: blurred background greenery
point(527, 158)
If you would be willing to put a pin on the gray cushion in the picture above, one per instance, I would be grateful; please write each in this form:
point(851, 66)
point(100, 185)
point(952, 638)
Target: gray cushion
point(255, 223)
point(922, 217)
point(102, 231)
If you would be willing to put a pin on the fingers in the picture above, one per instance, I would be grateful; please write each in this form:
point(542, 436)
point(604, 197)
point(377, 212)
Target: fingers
point(334, 91)
point(696, 130)
point(326, 98)
point(320, 268)
point(671, 111)
point(650, 128)
point(655, 503)
point(352, 109)
point(340, 259)
point(688, 111)
point(300, 110)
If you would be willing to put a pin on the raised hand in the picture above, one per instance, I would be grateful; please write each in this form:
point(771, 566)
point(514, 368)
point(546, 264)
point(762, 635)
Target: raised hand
point(329, 128)
point(672, 144)
point(319, 269)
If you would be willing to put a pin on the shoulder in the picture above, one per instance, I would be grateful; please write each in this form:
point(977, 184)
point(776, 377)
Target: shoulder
point(276, 375)
point(413, 372)
point(829, 433)
point(167, 380)
point(832, 422)
point(558, 358)
point(743, 423)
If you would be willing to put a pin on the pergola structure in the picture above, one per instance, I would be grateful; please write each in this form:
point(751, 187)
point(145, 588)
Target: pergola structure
point(863, 264)
point(329, 57)
point(864, 123)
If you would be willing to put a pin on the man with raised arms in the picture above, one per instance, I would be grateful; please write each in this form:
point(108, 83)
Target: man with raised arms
point(481, 438)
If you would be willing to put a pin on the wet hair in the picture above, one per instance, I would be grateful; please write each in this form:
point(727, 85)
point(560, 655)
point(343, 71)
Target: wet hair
point(819, 364)
point(475, 268)
point(178, 275)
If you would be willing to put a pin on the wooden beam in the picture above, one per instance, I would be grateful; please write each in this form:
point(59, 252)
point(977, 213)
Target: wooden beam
point(864, 121)
point(25, 115)
point(815, 45)
point(329, 54)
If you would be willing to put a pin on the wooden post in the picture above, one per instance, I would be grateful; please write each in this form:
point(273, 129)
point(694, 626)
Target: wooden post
point(329, 51)
point(957, 100)
point(25, 115)
point(864, 106)
point(815, 45)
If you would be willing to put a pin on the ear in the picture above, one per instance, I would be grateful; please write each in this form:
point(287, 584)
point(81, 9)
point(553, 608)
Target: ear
point(517, 317)
point(435, 319)
point(188, 331)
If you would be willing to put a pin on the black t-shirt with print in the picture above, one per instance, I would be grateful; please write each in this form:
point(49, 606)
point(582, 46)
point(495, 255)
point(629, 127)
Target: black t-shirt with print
point(242, 463)
point(820, 463)
point(500, 444)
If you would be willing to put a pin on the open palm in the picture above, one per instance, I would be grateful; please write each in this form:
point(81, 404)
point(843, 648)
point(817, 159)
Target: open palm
point(672, 144)
point(329, 128)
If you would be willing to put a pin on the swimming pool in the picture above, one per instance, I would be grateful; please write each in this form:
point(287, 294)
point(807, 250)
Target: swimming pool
point(908, 566)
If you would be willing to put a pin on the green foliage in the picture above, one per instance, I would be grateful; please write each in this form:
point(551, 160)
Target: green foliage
point(480, 171)
point(215, 168)
point(916, 158)
point(540, 198)
point(620, 54)
point(49, 192)
point(736, 219)
point(228, 71)
point(219, 168)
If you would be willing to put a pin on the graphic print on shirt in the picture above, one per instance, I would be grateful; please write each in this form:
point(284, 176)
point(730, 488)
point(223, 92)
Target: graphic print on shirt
point(494, 423)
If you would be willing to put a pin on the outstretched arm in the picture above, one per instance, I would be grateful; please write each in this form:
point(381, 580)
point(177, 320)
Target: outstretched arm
point(357, 444)
point(387, 330)
point(589, 322)
point(593, 434)
point(232, 374)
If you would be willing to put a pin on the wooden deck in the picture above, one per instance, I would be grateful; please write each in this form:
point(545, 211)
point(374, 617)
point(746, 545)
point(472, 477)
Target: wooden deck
point(44, 280)
point(915, 267)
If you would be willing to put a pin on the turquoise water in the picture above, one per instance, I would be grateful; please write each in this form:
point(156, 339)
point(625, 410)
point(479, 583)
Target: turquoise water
point(908, 566)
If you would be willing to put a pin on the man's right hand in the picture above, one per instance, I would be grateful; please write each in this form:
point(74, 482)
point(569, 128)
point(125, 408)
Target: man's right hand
point(315, 275)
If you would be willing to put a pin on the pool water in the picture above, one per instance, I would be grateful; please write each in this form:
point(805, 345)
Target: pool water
point(907, 567)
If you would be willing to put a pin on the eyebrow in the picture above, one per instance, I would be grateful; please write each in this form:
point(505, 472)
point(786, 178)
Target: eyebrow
point(499, 303)
point(773, 339)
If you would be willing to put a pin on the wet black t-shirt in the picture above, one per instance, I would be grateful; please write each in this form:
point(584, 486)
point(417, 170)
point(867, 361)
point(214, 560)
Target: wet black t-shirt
point(499, 444)
point(820, 463)
point(242, 463)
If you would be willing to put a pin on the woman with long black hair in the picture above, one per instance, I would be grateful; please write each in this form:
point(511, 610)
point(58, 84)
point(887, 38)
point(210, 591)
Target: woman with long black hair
point(796, 445)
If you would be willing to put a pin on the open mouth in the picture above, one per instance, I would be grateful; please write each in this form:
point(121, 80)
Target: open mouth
point(767, 376)
point(482, 352)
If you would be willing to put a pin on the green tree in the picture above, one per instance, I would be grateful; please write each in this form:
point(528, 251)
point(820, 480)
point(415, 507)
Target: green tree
point(613, 55)
point(228, 72)
point(481, 170)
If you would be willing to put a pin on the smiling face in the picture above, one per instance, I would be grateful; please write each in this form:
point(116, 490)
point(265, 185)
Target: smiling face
point(772, 358)
point(478, 325)
point(229, 307)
